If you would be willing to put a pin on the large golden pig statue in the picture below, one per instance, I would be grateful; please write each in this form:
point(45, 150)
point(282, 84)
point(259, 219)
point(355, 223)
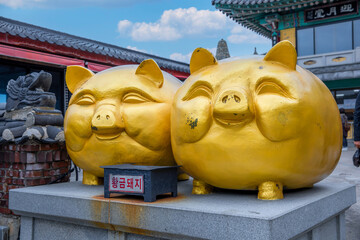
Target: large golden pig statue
point(261, 123)
point(120, 115)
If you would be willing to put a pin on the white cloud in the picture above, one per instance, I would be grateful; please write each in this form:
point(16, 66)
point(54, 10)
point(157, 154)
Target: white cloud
point(186, 57)
point(19, 3)
point(124, 26)
point(136, 49)
point(240, 34)
point(69, 3)
point(176, 24)
point(181, 57)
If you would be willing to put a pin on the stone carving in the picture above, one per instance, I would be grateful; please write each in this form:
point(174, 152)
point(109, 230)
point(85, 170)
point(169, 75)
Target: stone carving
point(30, 90)
point(222, 50)
point(29, 112)
point(120, 115)
point(261, 123)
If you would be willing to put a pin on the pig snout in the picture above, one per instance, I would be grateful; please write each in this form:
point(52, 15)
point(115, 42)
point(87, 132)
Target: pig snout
point(105, 120)
point(232, 106)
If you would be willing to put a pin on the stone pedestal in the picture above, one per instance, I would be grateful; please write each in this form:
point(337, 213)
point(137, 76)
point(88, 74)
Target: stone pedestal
point(75, 211)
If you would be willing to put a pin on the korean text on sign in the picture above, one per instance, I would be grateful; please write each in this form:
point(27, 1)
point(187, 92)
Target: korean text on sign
point(126, 183)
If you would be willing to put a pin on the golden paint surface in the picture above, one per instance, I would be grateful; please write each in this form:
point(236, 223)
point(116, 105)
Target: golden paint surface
point(239, 123)
point(120, 115)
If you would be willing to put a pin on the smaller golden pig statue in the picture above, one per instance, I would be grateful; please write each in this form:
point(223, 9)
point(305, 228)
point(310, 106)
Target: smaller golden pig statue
point(120, 115)
point(260, 123)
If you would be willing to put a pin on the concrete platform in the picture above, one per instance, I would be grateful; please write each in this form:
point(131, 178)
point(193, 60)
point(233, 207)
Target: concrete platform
point(75, 211)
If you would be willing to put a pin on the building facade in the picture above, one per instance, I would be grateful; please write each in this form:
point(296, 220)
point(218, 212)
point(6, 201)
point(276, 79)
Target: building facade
point(326, 35)
point(26, 48)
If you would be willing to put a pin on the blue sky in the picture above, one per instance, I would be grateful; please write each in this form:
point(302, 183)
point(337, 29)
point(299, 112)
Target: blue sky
point(166, 28)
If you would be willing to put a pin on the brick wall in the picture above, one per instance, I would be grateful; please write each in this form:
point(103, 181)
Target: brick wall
point(30, 165)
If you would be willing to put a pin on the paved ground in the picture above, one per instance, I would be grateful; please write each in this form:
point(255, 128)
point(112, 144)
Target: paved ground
point(344, 172)
point(347, 172)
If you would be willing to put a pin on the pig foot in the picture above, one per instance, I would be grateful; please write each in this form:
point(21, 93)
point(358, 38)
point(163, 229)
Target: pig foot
point(200, 187)
point(90, 179)
point(270, 191)
point(182, 176)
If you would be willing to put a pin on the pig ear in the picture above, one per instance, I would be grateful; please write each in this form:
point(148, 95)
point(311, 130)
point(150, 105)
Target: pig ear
point(76, 76)
point(283, 52)
point(200, 58)
point(151, 71)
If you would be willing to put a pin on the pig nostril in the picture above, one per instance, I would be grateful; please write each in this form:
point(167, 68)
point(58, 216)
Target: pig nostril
point(98, 117)
point(236, 98)
point(224, 100)
point(107, 116)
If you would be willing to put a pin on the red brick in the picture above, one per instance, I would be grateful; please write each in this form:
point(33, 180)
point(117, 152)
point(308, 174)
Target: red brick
point(2, 156)
point(2, 172)
point(5, 147)
point(60, 164)
point(37, 166)
point(63, 170)
point(49, 156)
point(7, 157)
point(32, 182)
point(18, 166)
point(47, 147)
point(18, 182)
point(5, 210)
point(45, 156)
point(17, 157)
point(13, 187)
point(4, 165)
point(64, 155)
point(30, 148)
point(12, 173)
point(8, 180)
point(5, 187)
point(1, 186)
point(54, 178)
point(2, 179)
point(32, 174)
point(23, 157)
point(44, 181)
point(50, 173)
point(57, 155)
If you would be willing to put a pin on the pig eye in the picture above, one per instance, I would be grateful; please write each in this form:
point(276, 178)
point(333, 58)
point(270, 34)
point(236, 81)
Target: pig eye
point(272, 88)
point(136, 98)
point(198, 91)
point(85, 100)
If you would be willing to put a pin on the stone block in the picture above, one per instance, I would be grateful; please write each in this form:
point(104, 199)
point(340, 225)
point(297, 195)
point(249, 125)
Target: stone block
point(61, 208)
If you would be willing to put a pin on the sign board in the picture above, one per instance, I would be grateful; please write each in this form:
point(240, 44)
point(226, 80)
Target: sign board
point(331, 11)
point(126, 183)
point(139, 180)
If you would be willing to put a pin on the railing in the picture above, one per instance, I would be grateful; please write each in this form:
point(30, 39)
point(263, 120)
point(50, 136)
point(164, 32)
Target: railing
point(330, 59)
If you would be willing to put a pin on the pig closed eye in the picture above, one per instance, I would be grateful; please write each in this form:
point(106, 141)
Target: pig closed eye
point(272, 88)
point(136, 98)
point(85, 100)
point(198, 91)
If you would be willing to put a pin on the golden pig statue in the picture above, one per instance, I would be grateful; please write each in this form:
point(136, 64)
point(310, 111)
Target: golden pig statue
point(120, 115)
point(259, 123)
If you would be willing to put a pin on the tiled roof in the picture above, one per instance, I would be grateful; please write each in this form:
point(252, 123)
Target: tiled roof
point(25, 30)
point(249, 12)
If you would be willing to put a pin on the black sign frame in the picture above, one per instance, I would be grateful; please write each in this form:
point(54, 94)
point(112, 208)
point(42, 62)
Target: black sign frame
point(331, 11)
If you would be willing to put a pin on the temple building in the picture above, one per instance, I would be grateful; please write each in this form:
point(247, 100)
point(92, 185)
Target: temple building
point(326, 35)
point(26, 48)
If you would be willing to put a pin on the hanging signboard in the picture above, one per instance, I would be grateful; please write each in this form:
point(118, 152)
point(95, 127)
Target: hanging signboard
point(331, 11)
